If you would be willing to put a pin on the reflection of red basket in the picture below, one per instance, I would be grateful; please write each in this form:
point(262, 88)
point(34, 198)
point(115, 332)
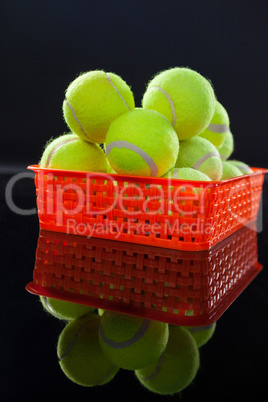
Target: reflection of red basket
point(179, 287)
point(176, 214)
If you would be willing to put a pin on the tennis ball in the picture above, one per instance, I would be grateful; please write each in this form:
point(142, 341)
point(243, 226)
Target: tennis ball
point(142, 143)
point(243, 167)
point(227, 147)
point(93, 100)
point(230, 171)
point(110, 170)
point(218, 126)
point(131, 342)
point(186, 174)
point(80, 356)
point(69, 152)
point(177, 366)
point(202, 334)
point(200, 154)
point(64, 310)
point(184, 97)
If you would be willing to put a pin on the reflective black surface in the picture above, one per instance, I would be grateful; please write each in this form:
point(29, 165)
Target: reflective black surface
point(233, 363)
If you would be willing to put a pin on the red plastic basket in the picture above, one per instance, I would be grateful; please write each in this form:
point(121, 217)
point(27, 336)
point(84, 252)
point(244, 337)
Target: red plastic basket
point(169, 213)
point(178, 287)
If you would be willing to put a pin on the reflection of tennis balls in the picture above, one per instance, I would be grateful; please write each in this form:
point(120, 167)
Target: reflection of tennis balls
point(218, 126)
point(64, 310)
point(176, 368)
point(230, 171)
point(202, 334)
point(184, 97)
point(227, 147)
point(198, 153)
point(69, 152)
point(243, 167)
point(80, 356)
point(142, 143)
point(132, 342)
point(93, 101)
point(186, 174)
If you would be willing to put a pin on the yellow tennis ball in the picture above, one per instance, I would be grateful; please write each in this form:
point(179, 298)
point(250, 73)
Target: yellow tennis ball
point(186, 174)
point(64, 310)
point(142, 143)
point(227, 147)
point(218, 126)
point(93, 101)
point(202, 334)
point(69, 152)
point(177, 366)
point(243, 167)
point(229, 170)
point(132, 342)
point(200, 154)
point(184, 97)
point(80, 356)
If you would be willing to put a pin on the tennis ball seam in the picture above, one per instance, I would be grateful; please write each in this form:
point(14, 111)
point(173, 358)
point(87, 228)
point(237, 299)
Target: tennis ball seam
point(56, 147)
point(121, 345)
point(57, 315)
point(70, 345)
point(170, 101)
point(203, 159)
point(117, 90)
point(74, 114)
point(194, 330)
point(125, 144)
point(158, 367)
point(217, 128)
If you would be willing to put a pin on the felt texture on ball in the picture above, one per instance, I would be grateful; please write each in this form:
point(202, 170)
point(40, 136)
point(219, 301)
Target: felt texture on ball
point(243, 167)
point(218, 126)
point(142, 143)
point(80, 356)
point(227, 147)
point(69, 152)
point(132, 342)
point(229, 171)
point(93, 100)
point(184, 97)
point(186, 174)
point(202, 334)
point(177, 366)
point(200, 154)
point(64, 310)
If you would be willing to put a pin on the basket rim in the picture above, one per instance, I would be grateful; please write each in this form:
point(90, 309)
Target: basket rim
point(156, 180)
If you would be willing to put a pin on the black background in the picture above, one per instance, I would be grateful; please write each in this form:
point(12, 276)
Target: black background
point(44, 46)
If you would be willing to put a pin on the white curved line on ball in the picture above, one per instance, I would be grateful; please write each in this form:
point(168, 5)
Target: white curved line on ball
point(194, 330)
point(244, 167)
point(176, 173)
point(218, 128)
point(51, 310)
point(76, 118)
point(116, 89)
point(53, 150)
point(121, 345)
point(70, 345)
point(157, 369)
point(204, 158)
point(125, 144)
point(170, 101)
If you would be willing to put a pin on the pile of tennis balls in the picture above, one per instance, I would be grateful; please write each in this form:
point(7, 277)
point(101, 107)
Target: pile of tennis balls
point(181, 131)
point(95, 344)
